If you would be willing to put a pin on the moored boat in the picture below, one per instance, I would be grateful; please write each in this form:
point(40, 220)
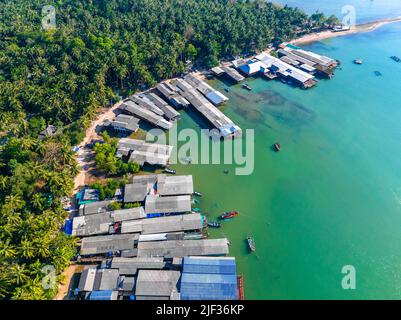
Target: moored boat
point(229, 215)
point(214, 224)
point(171, 171)
point(247, 86)
point(251, 243)
point(277, 147)
point(196, 193)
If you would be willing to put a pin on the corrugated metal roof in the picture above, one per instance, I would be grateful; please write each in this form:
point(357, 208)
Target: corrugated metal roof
point(150, 157)
point(129, 253)
point(106, 279)
point(202, 105)
point(87, 279)
point(135, 192)
point(144, 101)
point(157, 283)
point(211, 265)
point(210, 93)
point(233, 74)
point(174, 185)
point(171, 204)
point(127, 283)
point(185, 222)
point(128, 214)
point(146, 114)
point(182, 248)
point(96, 207)
point(196, 286)
point(161, 236)
point(105, 244)
point(169, 111)
point(103, 295)
point(130, 266)
point(123, 121)
point(143, 151)
point(94, 224)
point(97, 224)
point(152, 298)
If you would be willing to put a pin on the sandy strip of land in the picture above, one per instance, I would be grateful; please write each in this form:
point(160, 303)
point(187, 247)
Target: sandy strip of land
point(64, 286)
point(84, 156)
point(366, 27)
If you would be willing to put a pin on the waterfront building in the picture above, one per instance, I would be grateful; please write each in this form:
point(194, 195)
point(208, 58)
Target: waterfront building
point(123, 124)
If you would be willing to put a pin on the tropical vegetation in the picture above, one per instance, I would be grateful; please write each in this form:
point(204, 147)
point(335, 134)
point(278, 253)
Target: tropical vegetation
point(98, 51)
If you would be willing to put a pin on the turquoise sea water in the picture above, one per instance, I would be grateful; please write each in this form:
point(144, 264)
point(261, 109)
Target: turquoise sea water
point(332, 196)
point(366, 10)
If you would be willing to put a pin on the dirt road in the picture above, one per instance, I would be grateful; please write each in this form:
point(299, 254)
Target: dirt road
point(85, 154)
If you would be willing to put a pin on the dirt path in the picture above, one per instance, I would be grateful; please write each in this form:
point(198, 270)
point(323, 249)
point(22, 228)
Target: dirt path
point(64, 287)
point(85, 154)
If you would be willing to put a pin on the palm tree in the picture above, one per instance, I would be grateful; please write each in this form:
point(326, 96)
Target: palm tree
point(19, 273)
point(7, 250)
point(27, 249)
point(37, 201)
point(66, 154)
point(3, 182)
point(16, 201)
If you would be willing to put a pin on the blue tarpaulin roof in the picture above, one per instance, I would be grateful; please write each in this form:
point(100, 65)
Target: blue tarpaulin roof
point(102, 295)
point(68, 227)
point(196, 286)
point(209, 265)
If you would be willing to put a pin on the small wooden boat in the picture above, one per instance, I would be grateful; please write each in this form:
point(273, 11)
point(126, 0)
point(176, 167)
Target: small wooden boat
point(251, 243)
point(378, 73)
point(277, 147)
point(196, 193)
point(247, 86)
point(196, 201)
point(226, 89)
point(171, 171)
point(358, 61)
point(229, 215)
point(395, 58)
point(196, 209)
point(214, 224)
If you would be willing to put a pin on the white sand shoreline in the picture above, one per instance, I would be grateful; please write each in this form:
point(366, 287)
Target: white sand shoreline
point(365, 27)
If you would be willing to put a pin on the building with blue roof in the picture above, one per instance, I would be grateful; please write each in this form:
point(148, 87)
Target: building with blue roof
point(224, 265)
point(209, 278)
point(204, 286)
point(103, 295)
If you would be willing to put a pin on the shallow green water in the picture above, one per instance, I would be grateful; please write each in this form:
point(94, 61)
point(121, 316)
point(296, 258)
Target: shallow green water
point(332, 197)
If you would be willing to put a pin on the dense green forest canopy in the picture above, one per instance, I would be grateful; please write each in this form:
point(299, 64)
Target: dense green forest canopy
point(99, 49)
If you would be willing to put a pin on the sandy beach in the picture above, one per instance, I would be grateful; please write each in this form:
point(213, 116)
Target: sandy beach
point(366, 27)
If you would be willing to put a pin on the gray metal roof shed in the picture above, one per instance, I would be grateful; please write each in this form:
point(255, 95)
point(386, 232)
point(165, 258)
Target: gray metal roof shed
point(182, 248)
point(87, 279)
point(130, 266)
point(175, 185)
point(157, 283)
point(106, 279)
point(105, 244)
point(171, 204)
point(184, 222)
